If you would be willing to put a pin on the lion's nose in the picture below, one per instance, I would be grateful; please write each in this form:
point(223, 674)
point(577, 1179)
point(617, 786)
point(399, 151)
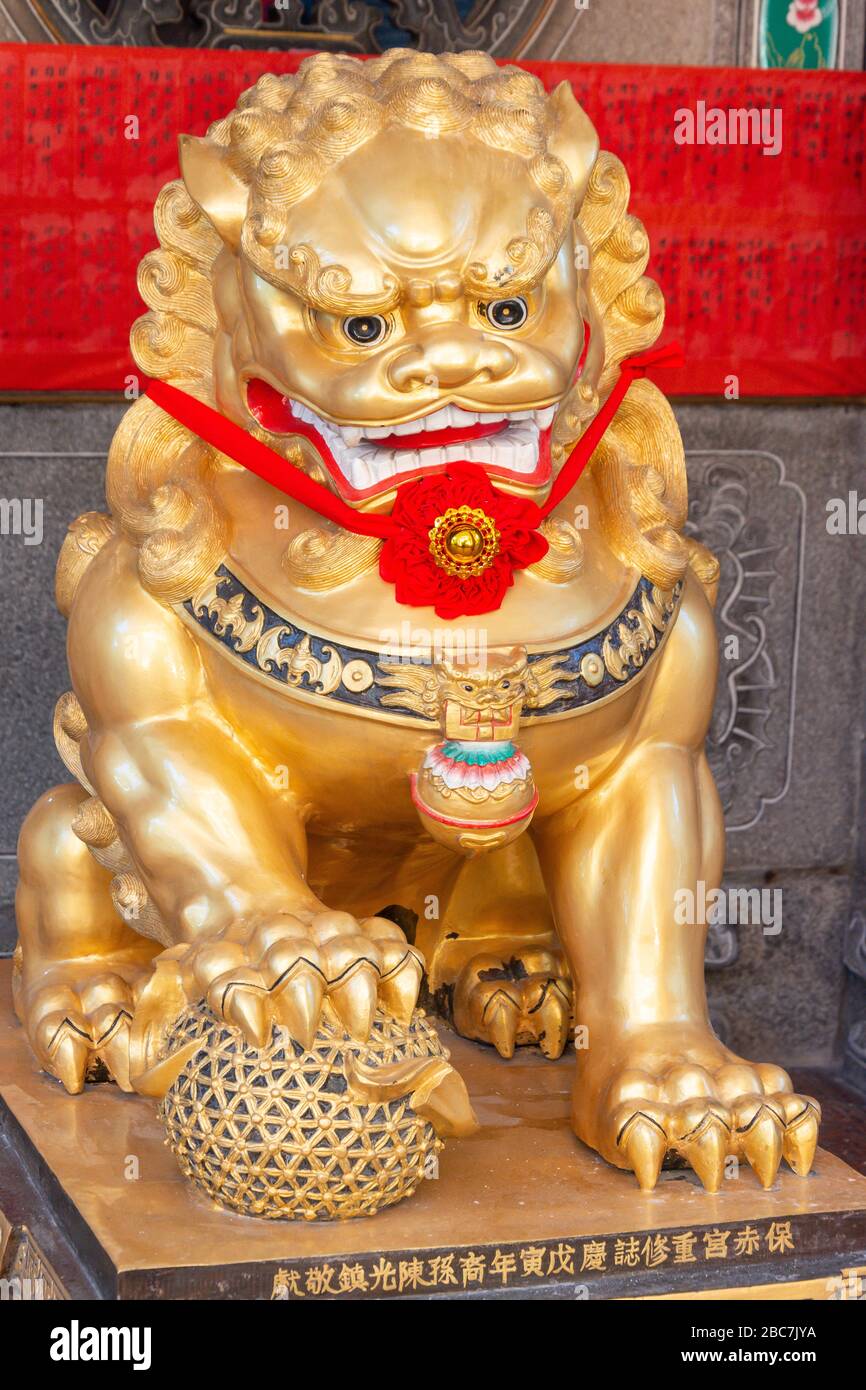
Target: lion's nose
point(450, 356)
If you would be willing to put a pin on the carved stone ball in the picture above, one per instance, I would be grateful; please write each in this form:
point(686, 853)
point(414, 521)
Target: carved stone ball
point(281, 1132)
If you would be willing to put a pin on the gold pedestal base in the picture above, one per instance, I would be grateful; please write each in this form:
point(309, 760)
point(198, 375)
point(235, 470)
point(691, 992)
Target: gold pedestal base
point(520, 1209)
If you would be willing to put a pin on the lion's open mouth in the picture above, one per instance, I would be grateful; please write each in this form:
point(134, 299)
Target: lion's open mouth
point(367, 459)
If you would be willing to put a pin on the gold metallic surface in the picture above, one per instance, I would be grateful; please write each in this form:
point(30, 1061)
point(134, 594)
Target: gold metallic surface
point(262, 826)
point(325, 557)
point(464, 544)
point(521, 1182)
point(339, 1130)
point(564, 557)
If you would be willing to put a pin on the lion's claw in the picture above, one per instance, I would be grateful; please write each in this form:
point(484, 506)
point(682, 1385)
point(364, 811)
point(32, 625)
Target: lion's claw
point(402, 972)
point(644, 1144)
point(800, 1138)
point(759, 1128)
point(74, 1031)
point(297, 985)
point(282, 970)
point(353, 970)
point(549, 1002)
point(527, 999)
point(704, 1116)
point(701, 1135)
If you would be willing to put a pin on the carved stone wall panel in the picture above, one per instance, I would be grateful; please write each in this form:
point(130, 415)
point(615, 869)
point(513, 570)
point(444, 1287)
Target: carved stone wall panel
point(786, 732)
point(753, 518)
point(501, 27)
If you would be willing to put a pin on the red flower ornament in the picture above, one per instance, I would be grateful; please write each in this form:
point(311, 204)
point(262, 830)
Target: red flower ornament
point(452, 540)
point(457, 542)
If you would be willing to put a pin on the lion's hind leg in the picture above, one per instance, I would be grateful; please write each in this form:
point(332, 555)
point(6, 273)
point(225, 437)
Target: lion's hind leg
point(77, 962)
point(495, 966)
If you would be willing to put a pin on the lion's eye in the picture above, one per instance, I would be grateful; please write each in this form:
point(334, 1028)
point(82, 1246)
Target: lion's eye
point(365, 330)
point(505, 313)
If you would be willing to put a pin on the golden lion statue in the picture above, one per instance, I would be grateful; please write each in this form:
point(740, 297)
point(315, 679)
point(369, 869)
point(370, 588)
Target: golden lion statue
point(413, 283)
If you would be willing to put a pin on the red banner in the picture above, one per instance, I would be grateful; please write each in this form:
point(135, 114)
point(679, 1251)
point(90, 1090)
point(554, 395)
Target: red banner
point(761, 256)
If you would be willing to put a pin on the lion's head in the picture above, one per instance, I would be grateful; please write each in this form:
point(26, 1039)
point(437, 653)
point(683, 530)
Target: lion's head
point(419, 259)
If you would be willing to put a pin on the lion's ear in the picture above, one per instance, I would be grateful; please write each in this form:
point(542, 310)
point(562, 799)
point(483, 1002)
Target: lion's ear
point(213, 186)
point(574, 139)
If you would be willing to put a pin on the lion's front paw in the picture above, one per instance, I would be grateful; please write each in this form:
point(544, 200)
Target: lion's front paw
point(79, 1025)
point(525, 999)
point(283, 969)
point(700, 1104)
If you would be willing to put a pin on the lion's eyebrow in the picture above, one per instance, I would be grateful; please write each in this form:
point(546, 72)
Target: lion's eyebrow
point(527, 257)
point(329, 287)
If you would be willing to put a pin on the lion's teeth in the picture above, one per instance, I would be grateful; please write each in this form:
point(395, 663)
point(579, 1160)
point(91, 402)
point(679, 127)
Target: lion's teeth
point(359, 473)
point(447, 417)
point(367, 464)
point(476, 453)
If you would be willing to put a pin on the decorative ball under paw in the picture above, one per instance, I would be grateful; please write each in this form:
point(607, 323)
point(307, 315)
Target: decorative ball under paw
point(285, 1133)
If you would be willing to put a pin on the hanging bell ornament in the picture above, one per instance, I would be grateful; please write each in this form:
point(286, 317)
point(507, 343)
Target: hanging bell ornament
point(474, 791)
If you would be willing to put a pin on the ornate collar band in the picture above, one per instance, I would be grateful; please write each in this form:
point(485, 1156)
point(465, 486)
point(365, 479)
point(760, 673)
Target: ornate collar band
point(452, 540)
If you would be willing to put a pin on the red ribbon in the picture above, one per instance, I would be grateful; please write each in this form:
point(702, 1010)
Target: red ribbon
point(233, 441)
point(671, 355)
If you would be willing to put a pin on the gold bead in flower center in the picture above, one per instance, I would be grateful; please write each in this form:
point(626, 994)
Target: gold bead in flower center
point(464, 541)
point(464, 544)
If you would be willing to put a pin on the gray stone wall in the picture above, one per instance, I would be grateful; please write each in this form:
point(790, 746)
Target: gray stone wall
point(54, 455)
point(787, 736)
